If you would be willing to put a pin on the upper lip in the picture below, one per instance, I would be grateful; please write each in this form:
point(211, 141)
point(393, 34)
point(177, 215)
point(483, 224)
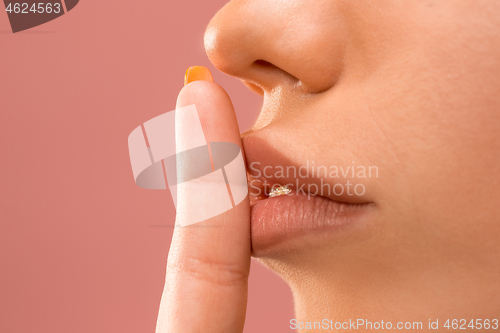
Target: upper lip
point(263, 162)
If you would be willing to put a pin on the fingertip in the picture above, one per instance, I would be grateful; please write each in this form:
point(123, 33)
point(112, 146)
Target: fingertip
point(215, 110)
point(197, 73)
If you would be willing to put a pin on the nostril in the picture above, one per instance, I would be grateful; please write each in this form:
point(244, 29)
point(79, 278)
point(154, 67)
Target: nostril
point(264, 63)
point(266, 66)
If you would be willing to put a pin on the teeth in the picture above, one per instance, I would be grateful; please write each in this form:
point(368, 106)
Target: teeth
point(282, 190)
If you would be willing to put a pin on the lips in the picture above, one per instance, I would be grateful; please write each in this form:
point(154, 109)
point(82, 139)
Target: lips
point(309, 209)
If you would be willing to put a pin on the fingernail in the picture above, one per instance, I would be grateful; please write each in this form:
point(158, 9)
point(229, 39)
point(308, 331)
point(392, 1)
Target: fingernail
point(197, 73)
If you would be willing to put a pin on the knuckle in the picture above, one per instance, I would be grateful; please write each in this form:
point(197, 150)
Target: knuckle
point(211, 271)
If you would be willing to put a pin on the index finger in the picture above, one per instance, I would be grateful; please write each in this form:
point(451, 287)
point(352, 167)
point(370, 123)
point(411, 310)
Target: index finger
point(209, 261)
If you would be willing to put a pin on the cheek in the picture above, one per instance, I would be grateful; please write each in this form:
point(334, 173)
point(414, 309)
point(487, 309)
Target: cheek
point(432, 102)
point(437, 111)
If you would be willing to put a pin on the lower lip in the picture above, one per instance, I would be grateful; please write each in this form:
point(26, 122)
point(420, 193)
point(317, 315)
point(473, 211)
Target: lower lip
point(279, 219)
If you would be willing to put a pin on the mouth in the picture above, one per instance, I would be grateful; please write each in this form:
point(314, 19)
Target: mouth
point(286, 208)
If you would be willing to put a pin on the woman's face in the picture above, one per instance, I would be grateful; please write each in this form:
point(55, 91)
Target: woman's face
point(409, 87)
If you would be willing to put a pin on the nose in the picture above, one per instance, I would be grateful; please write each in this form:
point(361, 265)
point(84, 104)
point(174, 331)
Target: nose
point(278, 43)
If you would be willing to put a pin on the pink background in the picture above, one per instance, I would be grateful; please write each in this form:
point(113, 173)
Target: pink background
point(82, 248)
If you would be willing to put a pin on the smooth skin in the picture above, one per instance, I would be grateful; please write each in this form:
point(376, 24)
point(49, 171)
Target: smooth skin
point(412, 87)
